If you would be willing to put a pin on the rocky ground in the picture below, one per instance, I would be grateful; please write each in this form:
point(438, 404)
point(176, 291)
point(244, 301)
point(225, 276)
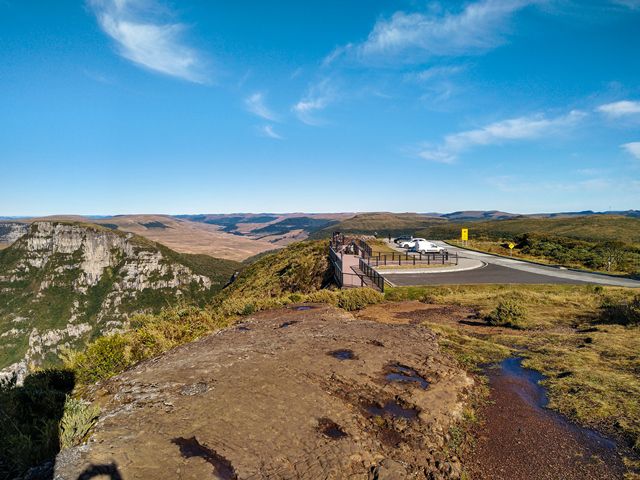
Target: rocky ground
point(291, 393)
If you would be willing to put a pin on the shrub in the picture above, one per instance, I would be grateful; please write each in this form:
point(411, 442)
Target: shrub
point(328, 297)
point(78, 418)
point(358, 298)
point(508, 313)
point(103, 358)
point(623, 312)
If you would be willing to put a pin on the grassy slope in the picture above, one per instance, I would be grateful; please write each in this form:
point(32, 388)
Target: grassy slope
point(300, 268)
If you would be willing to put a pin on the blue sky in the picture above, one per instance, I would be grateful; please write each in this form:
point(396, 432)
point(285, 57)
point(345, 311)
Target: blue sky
point(159, 106)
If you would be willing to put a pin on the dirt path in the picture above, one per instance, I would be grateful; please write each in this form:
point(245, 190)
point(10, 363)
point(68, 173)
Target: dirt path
point(303, 394)
point(520, 439)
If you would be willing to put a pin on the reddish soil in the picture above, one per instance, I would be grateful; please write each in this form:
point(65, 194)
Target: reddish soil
point(519, 439)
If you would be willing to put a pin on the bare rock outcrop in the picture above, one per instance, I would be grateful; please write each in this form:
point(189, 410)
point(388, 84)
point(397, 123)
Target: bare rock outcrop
point(291, 393)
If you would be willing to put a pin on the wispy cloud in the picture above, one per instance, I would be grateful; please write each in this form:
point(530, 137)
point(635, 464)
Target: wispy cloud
point(269, 131)
point(434, 73)
point(516, 184)
point(255, 103)
point(633, 149)
point(632, 4)
point(410, 37)
point(521, 128)
point(620, 109)
point(144, 40)
point(317, 98)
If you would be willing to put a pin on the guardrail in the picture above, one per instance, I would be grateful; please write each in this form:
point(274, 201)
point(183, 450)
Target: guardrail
point(375, 277)
point(407, 258)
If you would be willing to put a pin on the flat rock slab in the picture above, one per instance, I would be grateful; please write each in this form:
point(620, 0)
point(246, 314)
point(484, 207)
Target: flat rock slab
point(290, 393)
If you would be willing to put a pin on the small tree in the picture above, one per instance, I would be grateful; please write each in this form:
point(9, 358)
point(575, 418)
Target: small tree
point(613, 254)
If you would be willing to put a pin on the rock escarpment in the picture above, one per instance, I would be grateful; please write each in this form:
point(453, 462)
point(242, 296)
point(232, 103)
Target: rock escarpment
point(12, 231)
point(63, 283)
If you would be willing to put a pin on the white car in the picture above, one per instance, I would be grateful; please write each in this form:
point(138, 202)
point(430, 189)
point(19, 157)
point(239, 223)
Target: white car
point(410, 243)
point(425, 246)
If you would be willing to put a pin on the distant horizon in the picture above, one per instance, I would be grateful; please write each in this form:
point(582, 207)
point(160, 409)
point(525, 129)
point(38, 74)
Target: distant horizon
point(442, 213)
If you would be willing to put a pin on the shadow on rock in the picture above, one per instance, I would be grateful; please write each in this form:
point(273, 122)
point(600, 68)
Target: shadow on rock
point(108, 470)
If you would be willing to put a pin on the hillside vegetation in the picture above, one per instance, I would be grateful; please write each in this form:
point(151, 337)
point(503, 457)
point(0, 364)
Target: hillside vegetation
point(382, 224)
point(65, 283)
point(592, 228)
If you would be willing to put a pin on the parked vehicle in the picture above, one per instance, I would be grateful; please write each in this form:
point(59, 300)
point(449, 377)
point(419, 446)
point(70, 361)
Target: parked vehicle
point(425, 246)
point(404, 238)
point(410, 243)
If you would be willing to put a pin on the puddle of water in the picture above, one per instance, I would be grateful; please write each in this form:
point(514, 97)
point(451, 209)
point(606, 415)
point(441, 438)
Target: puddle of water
point(304, 307)
point(527, 440)
point(535, 394)
point(288, 324)
point(525, 381)
point(402, 374)
point(191, 447)
point(330, 428)
point(343, 354)
point(392, 409)
point(243, 328)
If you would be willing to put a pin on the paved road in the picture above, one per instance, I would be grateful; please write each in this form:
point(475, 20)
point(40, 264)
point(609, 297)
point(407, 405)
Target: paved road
point(507, 270)
point(486, 274)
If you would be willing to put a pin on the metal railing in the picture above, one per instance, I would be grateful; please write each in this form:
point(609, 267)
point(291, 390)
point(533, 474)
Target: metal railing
point(410, 258)
point(337, 263)
point(375, 277)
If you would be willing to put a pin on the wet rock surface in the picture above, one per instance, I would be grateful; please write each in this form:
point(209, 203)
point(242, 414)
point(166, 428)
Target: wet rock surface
point(269, 402)
point(521, 439)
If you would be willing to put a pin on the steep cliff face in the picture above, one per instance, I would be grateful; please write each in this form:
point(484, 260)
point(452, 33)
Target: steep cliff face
point(12, 231)
point(62, 284)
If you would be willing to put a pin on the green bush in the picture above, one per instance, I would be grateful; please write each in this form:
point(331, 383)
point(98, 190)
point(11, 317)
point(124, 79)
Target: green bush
point(508, 313)
point(78, 418)
point(103, 358)
point(328, 297)
point(623, 312)
point(358, 298)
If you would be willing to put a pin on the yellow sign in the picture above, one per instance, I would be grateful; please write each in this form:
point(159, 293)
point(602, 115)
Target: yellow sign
point(465, 234)
point(512, 246)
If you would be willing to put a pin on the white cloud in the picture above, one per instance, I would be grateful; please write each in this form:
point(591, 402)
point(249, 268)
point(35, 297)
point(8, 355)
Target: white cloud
point(620, 109)
point(632, 4)
point(521, 128)
point(434, 73)
point(632, 148)
point(316, 99)
point(148, 43)
point(268, 131)
point(255, 104)
point(409, 37)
